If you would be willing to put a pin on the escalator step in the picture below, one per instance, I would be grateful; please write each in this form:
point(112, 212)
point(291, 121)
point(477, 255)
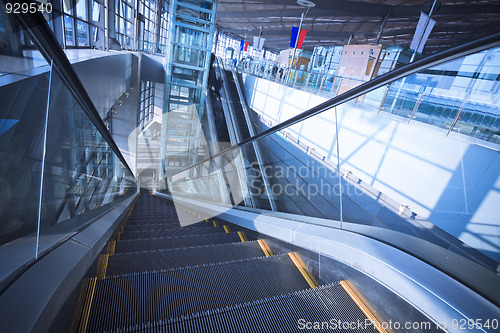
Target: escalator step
point(328, 304)
point(172, 258)
point(169, 232)
point(130, 301)
point(161, 226)
point(140, 245)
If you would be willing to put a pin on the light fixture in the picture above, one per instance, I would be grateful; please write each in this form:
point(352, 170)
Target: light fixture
point(306, 3)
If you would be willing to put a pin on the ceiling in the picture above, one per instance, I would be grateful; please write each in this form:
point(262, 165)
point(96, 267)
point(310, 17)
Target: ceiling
point(333, 22)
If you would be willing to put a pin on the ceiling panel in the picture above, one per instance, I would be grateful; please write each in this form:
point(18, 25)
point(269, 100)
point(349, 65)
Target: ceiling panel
point(332, 22)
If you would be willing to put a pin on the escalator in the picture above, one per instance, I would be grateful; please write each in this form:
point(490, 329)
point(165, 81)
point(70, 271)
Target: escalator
point(213, 276)
point(240, 126)
point(239, 116)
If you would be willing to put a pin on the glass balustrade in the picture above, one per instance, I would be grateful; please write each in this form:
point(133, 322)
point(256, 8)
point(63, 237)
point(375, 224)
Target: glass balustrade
point(58, 172)
point(361, 166)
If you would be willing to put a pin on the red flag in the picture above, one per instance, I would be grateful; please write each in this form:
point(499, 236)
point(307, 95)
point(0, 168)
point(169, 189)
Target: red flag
point(302, 36)
point(246, 46)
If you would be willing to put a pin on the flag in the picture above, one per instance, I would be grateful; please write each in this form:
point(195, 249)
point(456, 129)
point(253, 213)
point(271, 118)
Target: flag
point(261, 43)
point(293, 37)
point(258, 42)
point(421, 36)
point(242, 45)
point(246, 46)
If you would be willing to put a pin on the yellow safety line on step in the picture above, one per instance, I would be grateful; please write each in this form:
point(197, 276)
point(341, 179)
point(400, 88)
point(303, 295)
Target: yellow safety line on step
point(129, 212)
point(75, 325)
point(242, 236)
point(226, 229)
point(102, 266)
point(265, 248)
point(216, 224)
point(351, 292)
point(88, 305)
point(111, 247)
point(311, 281)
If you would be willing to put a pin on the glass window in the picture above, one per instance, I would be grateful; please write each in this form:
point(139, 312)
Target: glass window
point(81, 9)
point(67, 6)
point(68, 31)
point(83, 33)
point(1, 23)
point(129, 13)
point(96, 9)
point(147, 103)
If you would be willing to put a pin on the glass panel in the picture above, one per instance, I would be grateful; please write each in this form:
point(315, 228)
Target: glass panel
point(68, 6)
point(22, 123)
point(24, 86)
point(360, 164)
point(18, 58)
point(96, 34)
point(83, 33)
point(129, 13)
point(122, 25)
point(81, 171)
point(96, 11)
point(81, 9)
point(68, 31)
point(2, 27)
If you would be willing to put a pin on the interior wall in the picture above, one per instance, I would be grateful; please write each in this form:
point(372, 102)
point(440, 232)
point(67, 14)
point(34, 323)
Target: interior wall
point(450, 182)
point(106, 78)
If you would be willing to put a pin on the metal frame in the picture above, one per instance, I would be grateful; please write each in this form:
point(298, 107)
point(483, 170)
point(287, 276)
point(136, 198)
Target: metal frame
point(175, 27)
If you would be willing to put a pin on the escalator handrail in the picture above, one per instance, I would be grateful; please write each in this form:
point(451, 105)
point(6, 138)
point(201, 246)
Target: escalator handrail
point(380, 81)
point(41, 34)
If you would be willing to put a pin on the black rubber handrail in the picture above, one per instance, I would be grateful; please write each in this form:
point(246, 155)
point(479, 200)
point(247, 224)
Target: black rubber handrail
point(383, 80)
point(41, 34)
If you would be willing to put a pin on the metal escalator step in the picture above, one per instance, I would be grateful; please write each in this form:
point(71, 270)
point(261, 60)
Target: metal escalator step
point(140, 245)
point(181, 257)
point(169, 232)
point(167, 221)
point(136, 300)
point(140, 217)
point(161, 226)
point(328, 304)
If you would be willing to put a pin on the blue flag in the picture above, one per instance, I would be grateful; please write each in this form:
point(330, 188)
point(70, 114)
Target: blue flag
point(242, 45)
point(293, 39)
